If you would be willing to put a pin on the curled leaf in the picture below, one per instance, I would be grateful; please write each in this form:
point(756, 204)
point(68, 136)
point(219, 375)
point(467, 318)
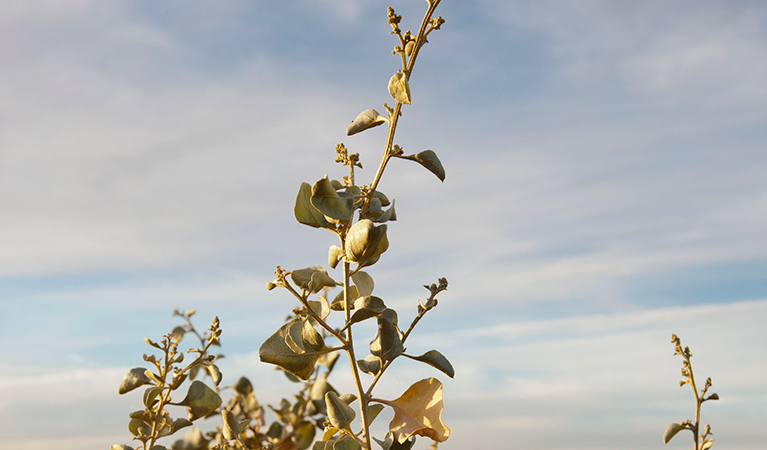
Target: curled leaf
point(200, 400)
point(387, 344)
point(276, 350)
point(364, 283)
point(133, 379)
point(231, 426)
point(338, 300)
point(429, 160)
point(313, 279)
point(340, 415)
point(371, 364)
point(365, 308)
point(399, 88)
point(671, 431)
point(364, 241)
point(305, 212)
point(436, 360)
point(328, 202)
point(334, 256)
point(368, 118)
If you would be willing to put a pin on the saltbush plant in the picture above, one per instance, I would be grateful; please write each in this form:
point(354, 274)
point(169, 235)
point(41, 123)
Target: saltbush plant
point(323, 324)
point(702, 440)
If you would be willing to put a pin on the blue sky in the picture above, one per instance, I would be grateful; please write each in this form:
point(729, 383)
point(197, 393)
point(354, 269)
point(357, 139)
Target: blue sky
point(605, 187)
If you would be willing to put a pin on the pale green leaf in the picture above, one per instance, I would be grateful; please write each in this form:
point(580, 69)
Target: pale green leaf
point(133, 379)
point(387, 344)
point(399, 88)
point(429, 160)
point(304, 212)
point(335, 253)
point(346, 443)
point(368, 118)
point(371, 364)
point(365, 308)
point(139, 427)
point(340, 415)
point(437, 360)
point(231, 426)
point(365, 240)
point(313, 279)
point(374, 409)
point(328, 202)
point(364, 283)
point(304, 435)
point(276, 351)
point(150, 394)
point(200, 400)
point(338, 301)
point(243, 387)
point(671, 431)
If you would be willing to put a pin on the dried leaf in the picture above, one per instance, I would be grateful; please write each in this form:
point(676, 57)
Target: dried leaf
point(399, 88)
point(707, 444)
point(368, 118)
point(419, 412)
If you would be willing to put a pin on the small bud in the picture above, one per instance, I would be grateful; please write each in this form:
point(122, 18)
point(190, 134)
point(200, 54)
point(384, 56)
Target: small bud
point(270, 285)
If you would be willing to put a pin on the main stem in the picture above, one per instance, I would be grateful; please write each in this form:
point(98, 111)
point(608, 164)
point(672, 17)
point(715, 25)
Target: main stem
point(696, 426)
point(394, 117)
point(349, 346)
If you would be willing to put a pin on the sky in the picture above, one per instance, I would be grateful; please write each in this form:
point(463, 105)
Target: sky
point(605, 188)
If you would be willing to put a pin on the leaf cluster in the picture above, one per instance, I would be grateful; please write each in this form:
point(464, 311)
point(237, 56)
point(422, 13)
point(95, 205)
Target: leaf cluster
point(169, 370)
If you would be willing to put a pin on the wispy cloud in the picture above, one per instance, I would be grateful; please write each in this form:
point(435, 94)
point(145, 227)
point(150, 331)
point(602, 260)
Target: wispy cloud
point(604, 162)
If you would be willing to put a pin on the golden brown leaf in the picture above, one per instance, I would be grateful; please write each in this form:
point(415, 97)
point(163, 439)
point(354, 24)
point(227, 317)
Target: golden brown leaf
point(419, 412)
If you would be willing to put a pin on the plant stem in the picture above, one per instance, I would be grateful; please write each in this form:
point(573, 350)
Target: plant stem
point(395, 115)
point(362, 397)
point(696, 425)
point(311, 312)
